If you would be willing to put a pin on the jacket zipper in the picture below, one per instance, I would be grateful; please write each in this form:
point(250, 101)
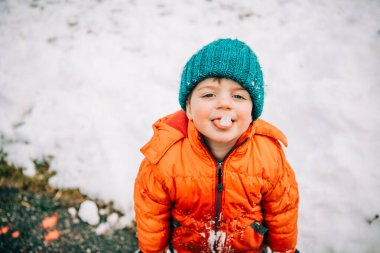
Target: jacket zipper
point(219, 189)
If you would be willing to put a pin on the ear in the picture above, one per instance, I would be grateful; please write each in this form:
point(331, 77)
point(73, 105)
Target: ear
point(188, 110)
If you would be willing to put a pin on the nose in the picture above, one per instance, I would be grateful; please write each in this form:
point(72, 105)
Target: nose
point(224, 101)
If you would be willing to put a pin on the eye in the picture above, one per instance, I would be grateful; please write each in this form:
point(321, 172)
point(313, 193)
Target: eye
point(240, 97)
point(208, 95)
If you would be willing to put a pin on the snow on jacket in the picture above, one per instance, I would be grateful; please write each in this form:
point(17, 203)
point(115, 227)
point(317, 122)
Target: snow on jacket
point(187, 199)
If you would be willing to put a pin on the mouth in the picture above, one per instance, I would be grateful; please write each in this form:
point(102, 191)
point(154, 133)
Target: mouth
point(223, 122)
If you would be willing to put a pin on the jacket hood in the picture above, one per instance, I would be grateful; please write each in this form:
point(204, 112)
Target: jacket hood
point(166, 132)
point(262, 127)
point(174, 127)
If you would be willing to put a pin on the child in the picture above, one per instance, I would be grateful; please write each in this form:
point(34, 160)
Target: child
point(215, 177)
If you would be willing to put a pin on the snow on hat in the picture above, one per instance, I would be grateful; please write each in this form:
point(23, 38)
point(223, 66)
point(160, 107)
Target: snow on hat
point(225, 58)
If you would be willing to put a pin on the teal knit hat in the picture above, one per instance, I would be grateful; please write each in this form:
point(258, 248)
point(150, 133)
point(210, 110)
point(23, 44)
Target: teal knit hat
point(226, 58)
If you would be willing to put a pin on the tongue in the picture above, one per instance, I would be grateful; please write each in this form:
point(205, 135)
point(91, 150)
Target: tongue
point(225, 121)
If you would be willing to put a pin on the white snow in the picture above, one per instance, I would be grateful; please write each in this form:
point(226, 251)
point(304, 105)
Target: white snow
point(88, 212)
point(219, 237)
point(225, 120)
point(72, 211)
point(103, 228)
point(83, 81)
point(112, 219)
point(124, 221)
point(113, 223)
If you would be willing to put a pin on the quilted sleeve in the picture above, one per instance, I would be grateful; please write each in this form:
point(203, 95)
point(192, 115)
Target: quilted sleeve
point(280, 207)
point(152, 209)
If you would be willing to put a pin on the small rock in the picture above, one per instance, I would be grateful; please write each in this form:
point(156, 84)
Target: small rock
point(49, 221)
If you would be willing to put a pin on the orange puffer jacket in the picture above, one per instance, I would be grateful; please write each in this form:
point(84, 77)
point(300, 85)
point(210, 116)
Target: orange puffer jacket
point(186, 199)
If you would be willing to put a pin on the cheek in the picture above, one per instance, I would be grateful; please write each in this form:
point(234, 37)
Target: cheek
point(200, 114)
point(246, 114)
point(199, 110)
point(249, 111)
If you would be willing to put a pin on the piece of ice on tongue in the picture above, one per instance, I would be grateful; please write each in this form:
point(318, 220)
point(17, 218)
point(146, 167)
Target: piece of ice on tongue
point(225, 121)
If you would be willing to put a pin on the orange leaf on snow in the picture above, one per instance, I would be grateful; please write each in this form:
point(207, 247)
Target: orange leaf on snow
point(4, 230)
point(15, 234)
point(49, 221)
point(52, 235)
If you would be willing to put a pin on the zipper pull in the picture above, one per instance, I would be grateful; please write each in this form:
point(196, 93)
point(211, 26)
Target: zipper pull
point(220, 173)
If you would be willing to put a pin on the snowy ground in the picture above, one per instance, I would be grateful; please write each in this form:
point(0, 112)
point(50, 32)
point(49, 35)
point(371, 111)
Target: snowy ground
point(83, 81)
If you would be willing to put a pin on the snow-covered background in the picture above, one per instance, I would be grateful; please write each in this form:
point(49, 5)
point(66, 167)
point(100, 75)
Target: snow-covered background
point(83, 81)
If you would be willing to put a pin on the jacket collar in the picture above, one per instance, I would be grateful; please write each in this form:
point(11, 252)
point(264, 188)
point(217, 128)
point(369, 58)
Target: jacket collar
point(176, 126)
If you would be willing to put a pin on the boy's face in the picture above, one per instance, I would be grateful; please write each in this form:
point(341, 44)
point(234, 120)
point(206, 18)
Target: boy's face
point(214, 99)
